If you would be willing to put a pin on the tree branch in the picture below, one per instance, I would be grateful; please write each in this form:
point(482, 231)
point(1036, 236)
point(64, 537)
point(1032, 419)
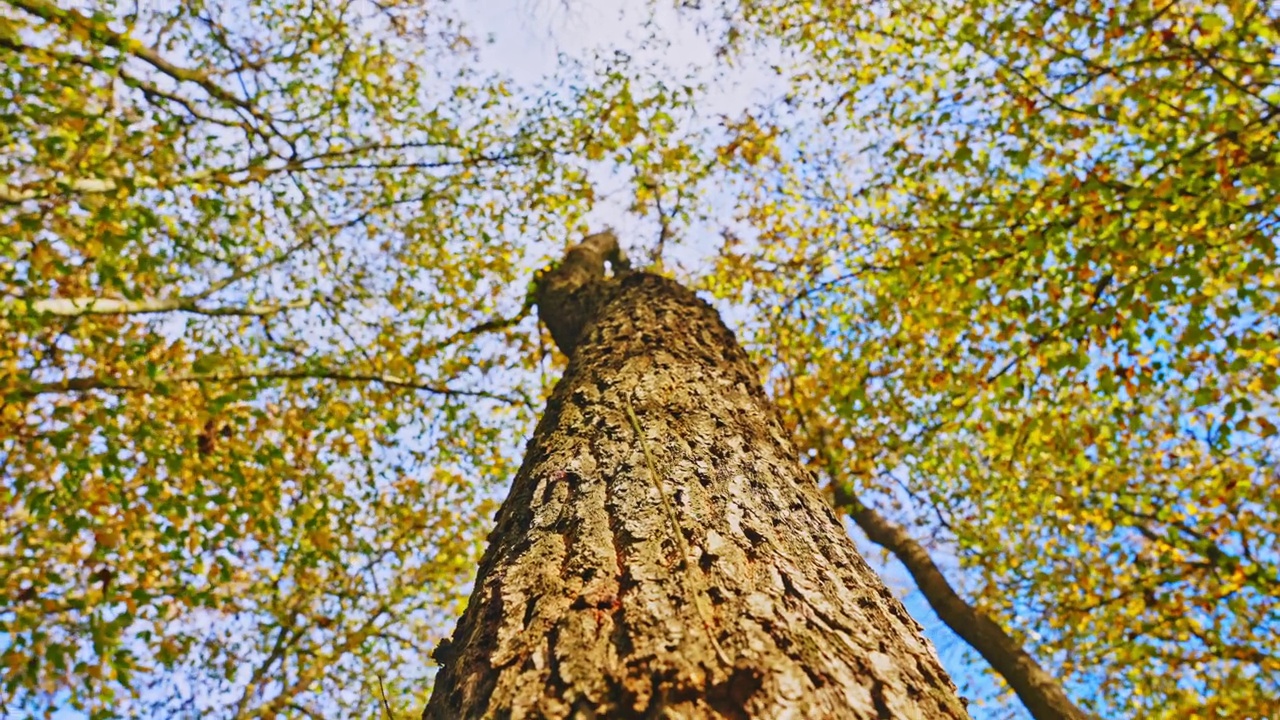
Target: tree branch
point(130, 46)
point(1040, 692)
point(15, 195)
point(72, 19)
point(80, 307)
point(115, 384)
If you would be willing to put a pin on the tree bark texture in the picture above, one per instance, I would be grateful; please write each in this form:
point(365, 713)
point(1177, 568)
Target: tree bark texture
point(584, 606)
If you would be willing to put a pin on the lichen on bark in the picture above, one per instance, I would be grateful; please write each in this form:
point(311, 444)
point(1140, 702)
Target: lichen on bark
point(582, 606)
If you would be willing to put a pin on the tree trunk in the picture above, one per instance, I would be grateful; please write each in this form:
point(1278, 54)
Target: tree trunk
point(590, 602)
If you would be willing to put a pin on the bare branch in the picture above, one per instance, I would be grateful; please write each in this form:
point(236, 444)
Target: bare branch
point(15, 195)
point(80, 307)
point(386, 704)
point(143, 384)
point(1038, 690)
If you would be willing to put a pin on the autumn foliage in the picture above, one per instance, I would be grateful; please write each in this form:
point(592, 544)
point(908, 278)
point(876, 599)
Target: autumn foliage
point(267, 356)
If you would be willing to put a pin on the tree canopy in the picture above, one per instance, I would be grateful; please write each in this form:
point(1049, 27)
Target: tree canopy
point(1045, 238)
point(268, 353)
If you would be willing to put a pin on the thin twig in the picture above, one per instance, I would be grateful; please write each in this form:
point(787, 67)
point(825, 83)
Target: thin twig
point(386, 704)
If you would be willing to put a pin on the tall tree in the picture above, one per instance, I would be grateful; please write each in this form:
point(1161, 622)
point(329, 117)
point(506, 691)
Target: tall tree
point(1010, 269)
point(662, 547)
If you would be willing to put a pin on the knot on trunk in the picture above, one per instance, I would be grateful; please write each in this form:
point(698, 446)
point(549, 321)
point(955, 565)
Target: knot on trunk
point(569, 294)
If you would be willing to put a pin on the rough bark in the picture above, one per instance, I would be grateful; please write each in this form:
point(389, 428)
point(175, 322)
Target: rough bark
point(583, 606)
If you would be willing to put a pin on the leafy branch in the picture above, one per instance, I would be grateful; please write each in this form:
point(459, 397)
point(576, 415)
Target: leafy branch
point(78, 22)
point(118, 384)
